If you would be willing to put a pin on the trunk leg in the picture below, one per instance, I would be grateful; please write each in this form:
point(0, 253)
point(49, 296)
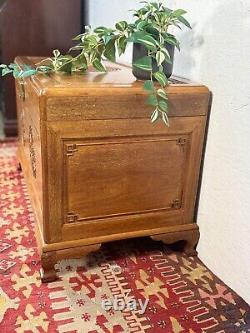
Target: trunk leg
point(48, 272)
point(190, 238)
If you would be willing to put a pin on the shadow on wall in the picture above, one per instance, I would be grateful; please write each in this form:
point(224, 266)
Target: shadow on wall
point(213, 45)
point(216, 51)
point(225, 51)
point(190, 42)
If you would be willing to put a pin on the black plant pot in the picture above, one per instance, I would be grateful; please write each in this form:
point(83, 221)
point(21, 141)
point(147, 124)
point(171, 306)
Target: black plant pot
point(140, 51)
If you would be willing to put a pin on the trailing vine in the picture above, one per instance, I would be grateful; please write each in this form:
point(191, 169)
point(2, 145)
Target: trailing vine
point(150, 28)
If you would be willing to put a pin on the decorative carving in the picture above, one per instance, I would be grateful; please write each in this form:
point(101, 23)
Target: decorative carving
point(71, 218)
point(176, 204)
point(22, 91)
point(191, 238)
point(49, 259)
point(181, 141)
point(71, 149)
point(32, 152)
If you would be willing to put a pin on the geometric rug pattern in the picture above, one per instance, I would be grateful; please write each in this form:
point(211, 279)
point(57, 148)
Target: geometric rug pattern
point(181, 294)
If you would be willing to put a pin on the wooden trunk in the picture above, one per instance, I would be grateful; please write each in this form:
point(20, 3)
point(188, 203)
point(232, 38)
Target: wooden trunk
point(98, 170)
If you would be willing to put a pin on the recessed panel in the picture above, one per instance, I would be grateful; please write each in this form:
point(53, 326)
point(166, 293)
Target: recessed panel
point(105, 179)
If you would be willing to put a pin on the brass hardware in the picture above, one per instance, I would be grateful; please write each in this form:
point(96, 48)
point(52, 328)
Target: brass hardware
point(176, 204)
point(181, 142)
point(71, 218)
point(71, 149)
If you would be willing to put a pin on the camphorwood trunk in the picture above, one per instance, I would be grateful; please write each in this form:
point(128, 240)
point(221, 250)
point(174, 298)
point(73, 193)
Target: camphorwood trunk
point(98, 170)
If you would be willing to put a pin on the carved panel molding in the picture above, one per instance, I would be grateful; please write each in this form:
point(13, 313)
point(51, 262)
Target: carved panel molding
point(32, 152)
point(72, 148)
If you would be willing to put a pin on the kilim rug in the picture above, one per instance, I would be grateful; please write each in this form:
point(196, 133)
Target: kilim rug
point(183, 295)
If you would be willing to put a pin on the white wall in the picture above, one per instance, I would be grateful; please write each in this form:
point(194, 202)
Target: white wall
point(216, 53)
point(107, 13)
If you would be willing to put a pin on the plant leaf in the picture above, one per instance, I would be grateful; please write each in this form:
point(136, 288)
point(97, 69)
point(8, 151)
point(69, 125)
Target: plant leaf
point(77, 47)
point(87, 28)
point(163, 105)
point(147, 41)
point(184, 21)
point(110, 52)
point(78, 37)
point(161, 78)
point(91, 41)
point(178, 12)
point(27, 73)
point(56, 53)
point(44, 69)
point(141, 25)
point(6, 71)
point(155, 5)
point(160, 57)
point(66, 67)
point(170, 39)
point(152, 100)
point(82, 60)
point(107, 38)
point(162, 93)
point(165, 118)
point(121, 25)
point(149, 86)
point(98, 65)
point(14, 66)
point(17, 72)
point(79, 63)
point(167, 55)
point(121, 45)
point(144, 63)
point(100, 30)
point(144, 39)
point(154, 115)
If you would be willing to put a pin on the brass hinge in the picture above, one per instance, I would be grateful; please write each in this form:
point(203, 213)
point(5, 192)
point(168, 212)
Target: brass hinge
point(71, 149)
point(176, 204)
point(71, 218)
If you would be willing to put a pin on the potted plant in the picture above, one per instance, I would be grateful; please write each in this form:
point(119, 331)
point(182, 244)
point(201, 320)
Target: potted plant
point(153, 52)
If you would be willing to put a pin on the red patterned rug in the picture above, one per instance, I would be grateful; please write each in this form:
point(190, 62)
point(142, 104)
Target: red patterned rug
point(182, 294)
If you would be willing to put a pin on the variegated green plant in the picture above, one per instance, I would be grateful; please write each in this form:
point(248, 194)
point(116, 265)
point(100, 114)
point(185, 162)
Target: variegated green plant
point(150, 28)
